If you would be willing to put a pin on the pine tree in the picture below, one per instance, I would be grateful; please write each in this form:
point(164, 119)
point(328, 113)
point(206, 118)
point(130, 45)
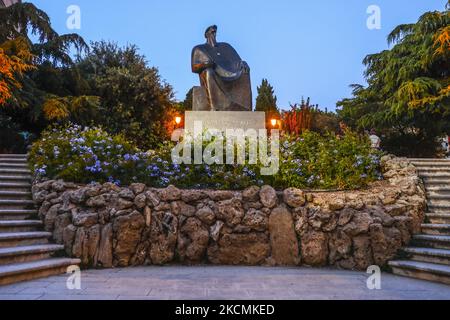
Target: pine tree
point(267, 100)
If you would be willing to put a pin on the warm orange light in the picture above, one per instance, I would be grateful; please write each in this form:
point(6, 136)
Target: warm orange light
point(274, 122)
point(177, 120)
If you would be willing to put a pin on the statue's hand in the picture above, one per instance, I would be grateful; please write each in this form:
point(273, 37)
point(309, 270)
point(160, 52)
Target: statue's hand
point(208, 64)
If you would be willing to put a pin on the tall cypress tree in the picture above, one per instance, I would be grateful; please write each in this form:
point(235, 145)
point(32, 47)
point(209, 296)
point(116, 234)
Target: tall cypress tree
point(267, 100)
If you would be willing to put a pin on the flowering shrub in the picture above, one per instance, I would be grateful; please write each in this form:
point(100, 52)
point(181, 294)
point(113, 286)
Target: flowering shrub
point(87, 155)
point(328, 161)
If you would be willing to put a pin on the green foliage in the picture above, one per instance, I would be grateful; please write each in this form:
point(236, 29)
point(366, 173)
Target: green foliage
point(134, 99)
point(309, 161)
point(327, 162)
point(266, 100)
point(50, 91)
point(409, 85)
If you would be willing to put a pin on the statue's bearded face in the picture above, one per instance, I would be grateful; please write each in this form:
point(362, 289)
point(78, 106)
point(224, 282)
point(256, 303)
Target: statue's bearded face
point(211, 34)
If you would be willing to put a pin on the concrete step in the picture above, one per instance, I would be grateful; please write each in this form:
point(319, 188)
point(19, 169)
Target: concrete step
point(421, 270)
point(14, 214)
point(431, 241)
point(438, 218)
point(28, 253)
point(18, 239)
point(32, 270)
point(15, 172)
point(13, 226)
point(15, 195)
point(439, 256)
point(436, 229)
point(16, 204)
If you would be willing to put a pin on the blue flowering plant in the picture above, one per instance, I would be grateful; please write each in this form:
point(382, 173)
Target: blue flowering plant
point(327, 161)
point(310, 161)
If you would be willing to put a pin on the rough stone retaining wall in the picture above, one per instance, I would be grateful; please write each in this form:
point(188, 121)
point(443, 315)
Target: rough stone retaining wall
point(106, 225)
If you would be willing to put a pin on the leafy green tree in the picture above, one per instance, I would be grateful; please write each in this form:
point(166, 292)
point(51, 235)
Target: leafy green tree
point(408, 91)
point(48, 92)
point(134, 99)
point(267, 100)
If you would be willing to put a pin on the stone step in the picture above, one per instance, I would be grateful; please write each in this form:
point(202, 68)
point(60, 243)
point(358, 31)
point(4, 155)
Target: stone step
point(437, 164)
point(28, 253)
point(438, 207)
point(440, 197)
point(14, 165)
point(14, 214)
point(438, 218)
point(16, 204)
point(435, 183)
point(421, 270)
point(436, 229)
point(15, 195)
point(17, 272)
point(14, 179)
point(17, 161)
point(420, 160)
point(435, 175)
point(439, 256)
point(13, 226)
point(431, 241)
point(19, 239)
point(15, 186)
point(433, 170)
point(437, 191)
point(15, 172)
point(13, 156)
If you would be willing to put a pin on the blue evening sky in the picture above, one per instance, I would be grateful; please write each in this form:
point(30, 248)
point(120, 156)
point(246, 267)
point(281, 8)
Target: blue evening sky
point(304, 48)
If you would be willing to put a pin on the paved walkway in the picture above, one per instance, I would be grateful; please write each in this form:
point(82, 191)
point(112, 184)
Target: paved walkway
point(211, 282)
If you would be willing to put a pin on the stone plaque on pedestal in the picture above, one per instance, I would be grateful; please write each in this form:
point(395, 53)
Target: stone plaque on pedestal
point(223, 120)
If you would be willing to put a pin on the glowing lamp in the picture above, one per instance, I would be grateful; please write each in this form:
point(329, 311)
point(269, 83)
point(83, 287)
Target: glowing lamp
point(273, 122)
point(177, 120)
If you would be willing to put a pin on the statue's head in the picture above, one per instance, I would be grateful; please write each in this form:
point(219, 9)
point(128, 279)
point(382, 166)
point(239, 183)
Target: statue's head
point(211, 31)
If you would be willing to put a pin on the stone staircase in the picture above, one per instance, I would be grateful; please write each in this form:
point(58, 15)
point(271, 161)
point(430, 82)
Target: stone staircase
point(428, 258)
point(25, 251)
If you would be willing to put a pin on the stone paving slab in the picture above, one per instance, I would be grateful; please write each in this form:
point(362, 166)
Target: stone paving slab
point(224, 283)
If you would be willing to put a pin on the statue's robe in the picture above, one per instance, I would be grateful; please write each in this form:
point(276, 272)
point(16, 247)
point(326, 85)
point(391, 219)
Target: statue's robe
point(227, 84)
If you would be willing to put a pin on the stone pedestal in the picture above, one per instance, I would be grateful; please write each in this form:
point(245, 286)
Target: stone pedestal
point(223, 120)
